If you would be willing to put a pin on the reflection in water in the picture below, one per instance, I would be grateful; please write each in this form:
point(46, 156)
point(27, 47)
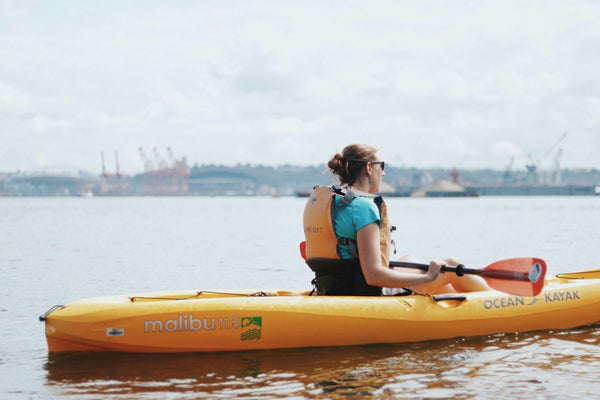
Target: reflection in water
point(534, 365)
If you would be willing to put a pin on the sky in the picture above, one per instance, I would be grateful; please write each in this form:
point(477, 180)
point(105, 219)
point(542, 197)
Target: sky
point(465, 84)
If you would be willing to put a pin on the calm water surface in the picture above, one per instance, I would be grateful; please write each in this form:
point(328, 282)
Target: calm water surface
point(53, 251)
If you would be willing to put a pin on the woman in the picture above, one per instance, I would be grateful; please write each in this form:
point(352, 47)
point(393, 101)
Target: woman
point(348, 236)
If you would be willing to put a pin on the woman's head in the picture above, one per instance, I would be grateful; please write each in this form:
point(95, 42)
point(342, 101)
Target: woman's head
point(348, 164)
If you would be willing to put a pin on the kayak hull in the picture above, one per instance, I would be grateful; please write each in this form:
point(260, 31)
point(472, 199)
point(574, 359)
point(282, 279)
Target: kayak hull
point(249, 320)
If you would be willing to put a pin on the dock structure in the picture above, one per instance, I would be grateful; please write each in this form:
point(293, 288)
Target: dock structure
point(539, 190)
point(162, 178)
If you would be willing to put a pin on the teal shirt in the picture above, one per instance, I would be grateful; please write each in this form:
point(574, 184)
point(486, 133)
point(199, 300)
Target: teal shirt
point(349, 220)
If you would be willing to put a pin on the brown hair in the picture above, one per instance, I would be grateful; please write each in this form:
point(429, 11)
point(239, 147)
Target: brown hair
point(347, 165)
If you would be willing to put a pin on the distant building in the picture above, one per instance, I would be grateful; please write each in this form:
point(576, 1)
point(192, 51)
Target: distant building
point(213, 183)
point(161, 178)
point(443, 188)
point(115, 185)
point(49, 183)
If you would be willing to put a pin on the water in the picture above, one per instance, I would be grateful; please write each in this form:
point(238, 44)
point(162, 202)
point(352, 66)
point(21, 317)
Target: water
point(56, 250)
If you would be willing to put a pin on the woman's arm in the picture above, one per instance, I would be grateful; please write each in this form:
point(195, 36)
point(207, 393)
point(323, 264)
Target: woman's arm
point(369, 253)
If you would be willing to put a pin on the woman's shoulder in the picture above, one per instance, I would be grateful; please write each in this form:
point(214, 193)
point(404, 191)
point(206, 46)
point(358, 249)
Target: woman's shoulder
point(363, 200)
point(358, 201)
point(364, 205)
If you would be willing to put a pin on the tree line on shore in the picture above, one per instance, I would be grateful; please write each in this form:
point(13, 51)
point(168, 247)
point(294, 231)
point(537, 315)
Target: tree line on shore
point(305, 177)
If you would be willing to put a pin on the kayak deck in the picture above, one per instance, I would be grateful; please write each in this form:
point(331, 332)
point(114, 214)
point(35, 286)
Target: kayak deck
point(233, 320)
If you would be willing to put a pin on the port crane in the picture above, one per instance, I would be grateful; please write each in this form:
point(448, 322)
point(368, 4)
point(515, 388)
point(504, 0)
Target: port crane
point(148, 165)
point(117, 168)
point(508, 177)
point(105, 174)
point(534, 165)
point(162, 164)
point(172, 157)
point(556, 174)
point(455, 173)
point(116, 184)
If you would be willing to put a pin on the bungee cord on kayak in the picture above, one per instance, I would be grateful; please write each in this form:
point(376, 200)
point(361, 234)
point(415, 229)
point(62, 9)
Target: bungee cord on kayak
point(198, 294)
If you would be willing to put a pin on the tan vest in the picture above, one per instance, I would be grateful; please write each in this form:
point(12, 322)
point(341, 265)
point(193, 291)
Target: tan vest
point(321, 241)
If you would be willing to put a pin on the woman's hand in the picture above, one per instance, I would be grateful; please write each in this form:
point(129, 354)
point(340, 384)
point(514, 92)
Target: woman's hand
point(434, 270)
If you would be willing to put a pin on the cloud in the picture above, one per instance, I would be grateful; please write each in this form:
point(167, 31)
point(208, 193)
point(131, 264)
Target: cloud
point(47, 125)
point(292, 82)
point(13, 101)
point(506, 149)
point(176, 104)
point(291, 126)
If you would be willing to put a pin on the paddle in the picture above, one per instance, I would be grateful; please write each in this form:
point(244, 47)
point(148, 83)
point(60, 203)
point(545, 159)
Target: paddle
point(519, 276)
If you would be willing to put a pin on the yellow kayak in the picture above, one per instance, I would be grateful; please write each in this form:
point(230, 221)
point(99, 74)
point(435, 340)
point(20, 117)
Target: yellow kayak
point(234, 320)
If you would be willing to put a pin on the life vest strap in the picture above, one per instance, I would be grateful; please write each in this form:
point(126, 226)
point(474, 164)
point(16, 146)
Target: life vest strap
point(324, 266)
point(352, 246)
point(340, 277)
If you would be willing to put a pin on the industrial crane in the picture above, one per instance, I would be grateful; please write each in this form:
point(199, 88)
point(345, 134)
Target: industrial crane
point(455, 173)
point(172, 157)
point(556, 174)
point(507, 177)
point(117, 167)
point(148, 165)
point(104, 174)
point(159, 160)
point(534, 165)
point(178, 165)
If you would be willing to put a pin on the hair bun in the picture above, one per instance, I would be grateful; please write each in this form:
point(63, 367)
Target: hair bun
point(346, 165)
point(336, 163)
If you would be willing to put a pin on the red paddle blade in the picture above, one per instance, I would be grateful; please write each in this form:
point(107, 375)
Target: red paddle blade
point(519, 276)
point(303, 249)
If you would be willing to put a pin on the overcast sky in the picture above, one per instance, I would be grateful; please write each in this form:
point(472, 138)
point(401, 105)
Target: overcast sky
point(430, 83)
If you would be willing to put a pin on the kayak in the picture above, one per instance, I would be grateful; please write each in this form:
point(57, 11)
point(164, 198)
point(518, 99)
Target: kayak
point(238, 320)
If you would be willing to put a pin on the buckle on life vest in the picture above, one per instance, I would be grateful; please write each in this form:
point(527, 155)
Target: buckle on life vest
point(352, 246)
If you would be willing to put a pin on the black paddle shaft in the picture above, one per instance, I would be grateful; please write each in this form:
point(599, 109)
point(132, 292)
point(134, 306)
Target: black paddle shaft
point(461, 270)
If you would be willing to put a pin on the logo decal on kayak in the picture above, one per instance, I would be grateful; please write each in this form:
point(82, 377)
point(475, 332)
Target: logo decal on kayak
point(515, 301)
point(533, 301)
point(253, 327)
point(502, 302)
point(562, 295)
point(115, 332)
point(250, 327)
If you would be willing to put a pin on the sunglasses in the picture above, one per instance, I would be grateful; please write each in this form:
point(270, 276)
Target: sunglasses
point(379, 162)
point(362, 164)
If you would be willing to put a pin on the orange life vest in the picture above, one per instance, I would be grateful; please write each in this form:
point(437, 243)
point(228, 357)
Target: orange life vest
point(334, 275)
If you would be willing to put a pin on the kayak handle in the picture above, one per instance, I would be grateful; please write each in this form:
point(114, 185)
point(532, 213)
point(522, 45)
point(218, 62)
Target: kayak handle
point(56, 307)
